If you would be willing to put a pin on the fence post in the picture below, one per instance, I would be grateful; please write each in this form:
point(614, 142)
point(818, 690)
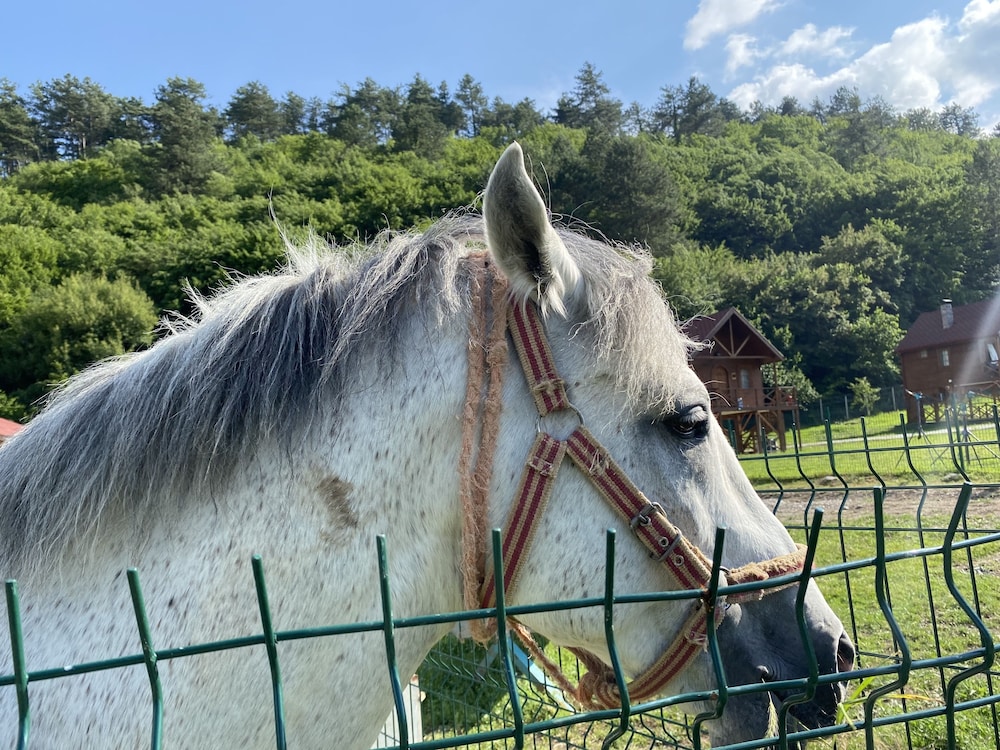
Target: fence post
point(148, 655)
point(388, 631)
point(20, 670)
point(271, 644)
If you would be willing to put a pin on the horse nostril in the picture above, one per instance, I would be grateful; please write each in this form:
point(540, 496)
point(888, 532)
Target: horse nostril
point(845, 654)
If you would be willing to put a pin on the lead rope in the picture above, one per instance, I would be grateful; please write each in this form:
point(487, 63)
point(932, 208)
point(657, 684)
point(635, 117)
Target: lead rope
point(487, 355)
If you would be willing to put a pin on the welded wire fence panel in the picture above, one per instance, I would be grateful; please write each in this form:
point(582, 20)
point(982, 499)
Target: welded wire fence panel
point(910, 563)
point(883, 449)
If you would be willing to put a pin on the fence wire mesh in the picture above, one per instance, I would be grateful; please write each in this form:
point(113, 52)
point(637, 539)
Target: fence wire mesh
point(909, 560)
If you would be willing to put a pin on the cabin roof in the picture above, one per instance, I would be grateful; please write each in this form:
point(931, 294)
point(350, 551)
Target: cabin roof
point(732, 334)
point(9, 428)
point(979, 320)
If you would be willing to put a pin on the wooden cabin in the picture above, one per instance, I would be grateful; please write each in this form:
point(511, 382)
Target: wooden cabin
point(731, 365)
point(951, 351)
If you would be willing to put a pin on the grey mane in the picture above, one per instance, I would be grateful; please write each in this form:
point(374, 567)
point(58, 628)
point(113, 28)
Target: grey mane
point(178, 419)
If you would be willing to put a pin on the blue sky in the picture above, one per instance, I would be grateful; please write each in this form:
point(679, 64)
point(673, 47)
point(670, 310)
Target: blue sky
point(914, 53)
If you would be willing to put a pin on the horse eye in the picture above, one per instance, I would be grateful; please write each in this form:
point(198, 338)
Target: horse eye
point(691, 424)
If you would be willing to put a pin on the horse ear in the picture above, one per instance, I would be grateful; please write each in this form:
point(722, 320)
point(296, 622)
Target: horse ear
point(521, 239)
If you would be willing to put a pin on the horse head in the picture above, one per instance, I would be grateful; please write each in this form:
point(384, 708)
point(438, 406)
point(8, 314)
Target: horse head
point(624, 382)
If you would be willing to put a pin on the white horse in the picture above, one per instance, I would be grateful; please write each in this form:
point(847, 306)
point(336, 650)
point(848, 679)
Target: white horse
point(302, 414)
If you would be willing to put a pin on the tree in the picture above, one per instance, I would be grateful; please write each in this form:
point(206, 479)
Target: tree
point(131, 121)
point(683, 111)
point(959, 120)
point(857, 129)
point(64, 328)
point(504, 122)
point(75, 116)
point(922, 119)
point(365, 116)
point(424, 120)
point(185, 132)
point(982, 193)
point(865, 395)
point(624, 191)
point(590, 105)
point(18, 133)
point(28, 257)
point(694, 277)
point(473, 102)
point(292, 112)
point(790, 107)
point(826, 314)
point(875, 251)
point(252, 111)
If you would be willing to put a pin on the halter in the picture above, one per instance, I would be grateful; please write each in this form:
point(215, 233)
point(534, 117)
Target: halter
point(683, 560)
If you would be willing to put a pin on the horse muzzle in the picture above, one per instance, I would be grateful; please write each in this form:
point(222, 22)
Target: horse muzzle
point(822, 709)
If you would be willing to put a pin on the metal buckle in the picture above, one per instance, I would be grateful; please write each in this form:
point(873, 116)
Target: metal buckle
point(642, 517)
point(668, 548)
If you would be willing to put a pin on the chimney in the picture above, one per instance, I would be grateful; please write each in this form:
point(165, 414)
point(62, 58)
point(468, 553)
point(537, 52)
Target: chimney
point(947, 314)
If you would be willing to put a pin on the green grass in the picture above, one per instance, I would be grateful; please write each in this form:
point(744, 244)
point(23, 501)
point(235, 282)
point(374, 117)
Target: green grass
point(863, 454)
point(930, 620)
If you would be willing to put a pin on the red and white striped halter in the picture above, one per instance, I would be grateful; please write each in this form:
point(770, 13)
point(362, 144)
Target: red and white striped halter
point(690, 568)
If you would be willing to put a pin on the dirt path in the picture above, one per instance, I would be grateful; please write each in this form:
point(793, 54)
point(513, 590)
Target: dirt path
point(860, 503)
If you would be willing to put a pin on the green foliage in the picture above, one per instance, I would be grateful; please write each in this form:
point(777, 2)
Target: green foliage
point(865, 395)
point(694, 278)
point(185, 155)
point(19, 136)
point(252, 112)
point(590, 105)
point(60, 329)
point(28, 257)
point(639, 201)
point(76, 116)
point(11, 408)
point(830, 227)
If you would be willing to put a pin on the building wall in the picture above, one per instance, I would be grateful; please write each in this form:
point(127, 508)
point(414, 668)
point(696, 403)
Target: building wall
point(735, 381)
point(938, 372)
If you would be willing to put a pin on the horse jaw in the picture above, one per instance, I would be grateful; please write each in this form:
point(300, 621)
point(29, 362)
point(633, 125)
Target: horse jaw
point(522, 240)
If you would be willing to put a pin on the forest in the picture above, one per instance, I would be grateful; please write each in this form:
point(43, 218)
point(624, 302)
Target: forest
point(831, 224)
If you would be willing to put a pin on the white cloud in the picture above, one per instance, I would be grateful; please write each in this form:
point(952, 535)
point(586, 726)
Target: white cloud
point(741, 52)
point(783, 80)
point(928, 63)
point(716, 17)
point(811, 41)
point(909, 70)
point(979, 12)
point(975, 59)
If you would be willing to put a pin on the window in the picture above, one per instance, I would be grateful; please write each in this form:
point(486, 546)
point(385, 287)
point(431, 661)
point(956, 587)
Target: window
point(923, 354)
point(991, 353)
point(744, 378)
point(945, 360)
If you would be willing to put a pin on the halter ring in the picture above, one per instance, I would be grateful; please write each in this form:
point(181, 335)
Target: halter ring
point(569, 407)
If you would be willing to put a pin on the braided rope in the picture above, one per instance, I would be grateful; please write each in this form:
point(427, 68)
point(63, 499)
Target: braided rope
point(487, 355)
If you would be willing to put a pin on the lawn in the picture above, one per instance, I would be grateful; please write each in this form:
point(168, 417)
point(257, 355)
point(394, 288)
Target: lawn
point(880, 450)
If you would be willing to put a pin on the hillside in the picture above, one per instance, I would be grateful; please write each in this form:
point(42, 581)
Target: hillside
point(830, 226)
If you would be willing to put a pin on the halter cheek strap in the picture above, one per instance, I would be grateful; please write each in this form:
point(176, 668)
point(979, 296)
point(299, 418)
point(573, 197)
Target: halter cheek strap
point(684, 561)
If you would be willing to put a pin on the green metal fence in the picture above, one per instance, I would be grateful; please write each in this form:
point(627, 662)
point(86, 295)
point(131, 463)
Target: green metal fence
point(911, 565)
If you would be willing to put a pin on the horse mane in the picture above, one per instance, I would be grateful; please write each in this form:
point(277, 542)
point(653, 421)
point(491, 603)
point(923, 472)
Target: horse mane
point(144, 431)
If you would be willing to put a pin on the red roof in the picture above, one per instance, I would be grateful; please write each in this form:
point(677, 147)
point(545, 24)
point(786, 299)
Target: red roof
point(980, 320)
point(8, 428)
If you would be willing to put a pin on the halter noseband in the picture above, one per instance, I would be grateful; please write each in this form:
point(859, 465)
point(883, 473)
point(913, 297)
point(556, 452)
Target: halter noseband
point(685, 562)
